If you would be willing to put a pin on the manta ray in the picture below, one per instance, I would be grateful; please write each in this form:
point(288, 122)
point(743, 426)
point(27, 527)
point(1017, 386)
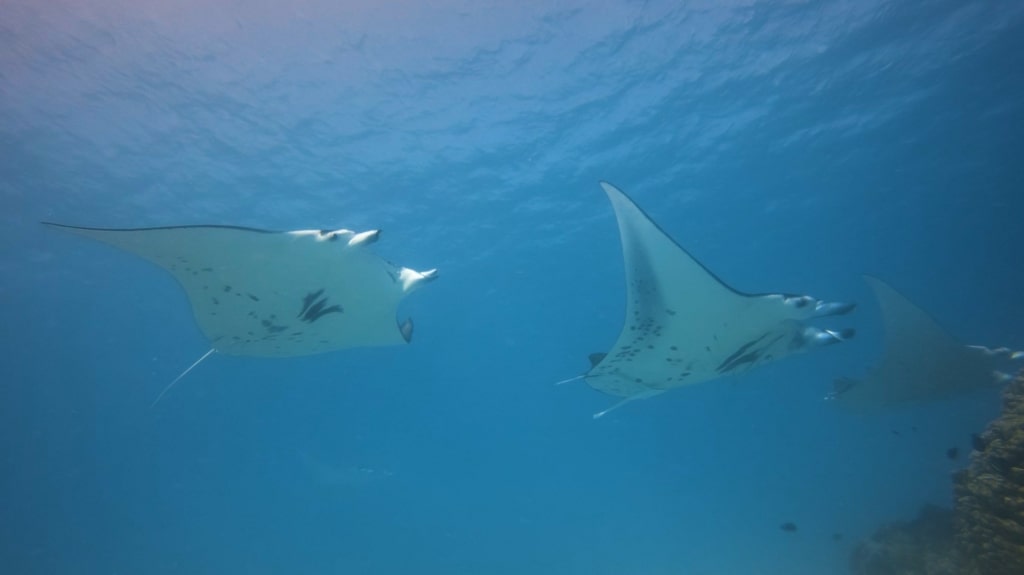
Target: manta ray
point(685, 326)
point(277, 294)
point(920, 361)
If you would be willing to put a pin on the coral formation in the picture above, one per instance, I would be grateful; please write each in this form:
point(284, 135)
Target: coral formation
point(984, 534)
point(923, 546)
point(989, 519)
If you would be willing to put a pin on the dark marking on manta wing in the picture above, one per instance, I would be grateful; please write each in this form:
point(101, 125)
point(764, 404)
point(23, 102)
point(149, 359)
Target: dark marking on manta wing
point(273, 328)
point(308, 301)
point(738, 354)
point(318, 309)
point(315, 309)
point(752, 357)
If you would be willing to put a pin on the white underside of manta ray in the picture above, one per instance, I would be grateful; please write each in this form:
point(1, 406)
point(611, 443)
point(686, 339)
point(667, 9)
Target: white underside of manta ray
point(278, 294)
point(921, 361)
point(685, 326)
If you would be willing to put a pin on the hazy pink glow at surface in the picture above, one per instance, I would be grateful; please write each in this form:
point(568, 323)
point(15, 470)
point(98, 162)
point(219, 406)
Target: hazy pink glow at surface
point(316, 92)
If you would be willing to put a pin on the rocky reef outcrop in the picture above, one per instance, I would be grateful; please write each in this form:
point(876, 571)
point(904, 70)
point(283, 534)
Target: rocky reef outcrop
point(923, 546)
point(989, 495)
point(984, 533)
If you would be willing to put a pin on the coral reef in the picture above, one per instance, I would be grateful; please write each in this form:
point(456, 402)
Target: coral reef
point(923, 546)
point(984, 534)
point(989, 518)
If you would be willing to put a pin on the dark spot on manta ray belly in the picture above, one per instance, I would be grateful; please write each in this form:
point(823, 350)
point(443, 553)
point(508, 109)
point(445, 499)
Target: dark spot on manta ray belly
point(741, 356)
point(314, 306)
point(270, 327)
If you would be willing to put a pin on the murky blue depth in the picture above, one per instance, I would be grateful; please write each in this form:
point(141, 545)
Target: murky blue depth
point(789, 146)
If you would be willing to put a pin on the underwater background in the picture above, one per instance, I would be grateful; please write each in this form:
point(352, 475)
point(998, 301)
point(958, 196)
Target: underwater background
point(789, 146)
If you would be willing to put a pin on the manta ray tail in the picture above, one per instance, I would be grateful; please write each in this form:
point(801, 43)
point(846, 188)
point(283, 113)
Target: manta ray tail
point(624, 401)
point(177, 379)
point(604, 412)
point(595, 358)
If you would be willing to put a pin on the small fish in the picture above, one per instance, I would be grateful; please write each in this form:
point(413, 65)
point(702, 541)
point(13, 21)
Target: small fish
point(788, 527)
point(952, 453)
point(837, 536)
point(977, 442)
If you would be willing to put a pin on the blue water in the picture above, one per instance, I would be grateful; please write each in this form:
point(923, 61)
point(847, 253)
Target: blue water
point(791, 146)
